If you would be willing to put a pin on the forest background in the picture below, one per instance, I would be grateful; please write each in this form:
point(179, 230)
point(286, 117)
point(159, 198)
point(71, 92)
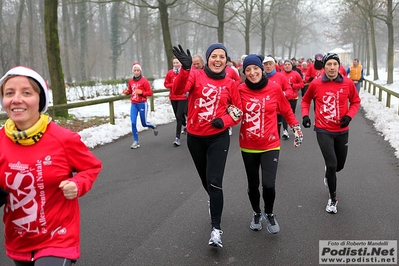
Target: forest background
point(81, 41)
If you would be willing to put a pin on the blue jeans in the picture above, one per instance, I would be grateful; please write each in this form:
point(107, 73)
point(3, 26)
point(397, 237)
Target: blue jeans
point(358, 85)
point(135, 109)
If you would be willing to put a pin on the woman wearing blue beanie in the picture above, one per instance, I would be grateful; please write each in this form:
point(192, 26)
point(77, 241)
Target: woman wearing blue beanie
point(259, 138)
point(214, 105)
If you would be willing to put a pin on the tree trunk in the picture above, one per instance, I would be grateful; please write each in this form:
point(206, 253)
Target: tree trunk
point(144, 41)
point(390, 52)
point(115, 37)
point(167, 39)
point(220, 16)
point(368, 56)
point(65, 22)
point(31, 33)
point(18, 33)
point(263, 24)
point(82, 40)
point(373, 47)
point(53, 55)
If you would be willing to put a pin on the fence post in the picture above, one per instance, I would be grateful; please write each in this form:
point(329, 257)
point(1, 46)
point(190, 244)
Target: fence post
point(111, 113)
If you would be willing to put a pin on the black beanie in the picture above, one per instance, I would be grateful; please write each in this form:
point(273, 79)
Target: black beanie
point(329, 56)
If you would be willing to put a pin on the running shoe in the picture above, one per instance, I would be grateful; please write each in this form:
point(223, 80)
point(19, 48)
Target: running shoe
point(176, 143)
point(155, 132)
point(256, 224)
point(272, 225)
point(285, 134)
point(216, 238)
point(135, 145)
point(184, 131)
point(332, 205)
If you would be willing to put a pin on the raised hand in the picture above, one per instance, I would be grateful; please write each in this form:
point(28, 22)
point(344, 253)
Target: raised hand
point(184, 58)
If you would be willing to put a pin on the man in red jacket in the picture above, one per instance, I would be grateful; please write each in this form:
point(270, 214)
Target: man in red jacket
point(331, 93)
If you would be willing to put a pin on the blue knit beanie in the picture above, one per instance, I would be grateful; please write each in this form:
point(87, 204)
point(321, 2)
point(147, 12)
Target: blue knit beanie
point(214, 47)
point(252, 59)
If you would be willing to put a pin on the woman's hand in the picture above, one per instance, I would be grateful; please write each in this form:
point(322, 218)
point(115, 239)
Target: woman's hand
point(69, 188)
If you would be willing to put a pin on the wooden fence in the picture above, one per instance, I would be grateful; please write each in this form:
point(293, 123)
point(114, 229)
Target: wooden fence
point(110, 101)
point(382, 92)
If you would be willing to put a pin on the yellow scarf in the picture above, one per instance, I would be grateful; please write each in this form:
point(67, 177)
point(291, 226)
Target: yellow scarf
point(29, 136)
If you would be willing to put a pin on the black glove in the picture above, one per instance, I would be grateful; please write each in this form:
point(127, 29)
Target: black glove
point(306, 121)
point(185, 59)
point(3, 197)
point(345, 121)
point(217, 122)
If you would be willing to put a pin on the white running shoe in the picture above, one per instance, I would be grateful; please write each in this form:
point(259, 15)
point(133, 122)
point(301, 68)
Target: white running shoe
point(285, 134)
point(256, 224)
point(216, 238)
point(176, 143)
point(272, 224)
point(135, 145)
point(332, 205)
point(184, 131)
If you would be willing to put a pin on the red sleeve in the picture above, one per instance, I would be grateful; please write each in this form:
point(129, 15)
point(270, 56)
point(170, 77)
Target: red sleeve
point(298, 84)
point(129, 86)
point(235, 99)
point(183, 82)
point(289, 94)
point(83, 162)
point(309, 73)
point(147, 91)
point(168, 83)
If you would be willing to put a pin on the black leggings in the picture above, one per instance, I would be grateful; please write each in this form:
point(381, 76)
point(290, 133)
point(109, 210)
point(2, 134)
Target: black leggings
point(209, 155)
point(268, 162)
point(179, 108)
point(334, 149)
point(293, 107)
point(46, 261)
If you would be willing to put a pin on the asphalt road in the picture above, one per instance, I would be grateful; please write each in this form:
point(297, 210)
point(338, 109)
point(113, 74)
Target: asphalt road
point(148, 207)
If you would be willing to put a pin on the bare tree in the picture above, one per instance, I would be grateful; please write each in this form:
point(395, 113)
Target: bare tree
point(388, 19)
point(218, 10)
point(31, 32)
point(66, 23)
point(53, 54)
point(82, 39)
point(245, 18)
point(18, 33)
